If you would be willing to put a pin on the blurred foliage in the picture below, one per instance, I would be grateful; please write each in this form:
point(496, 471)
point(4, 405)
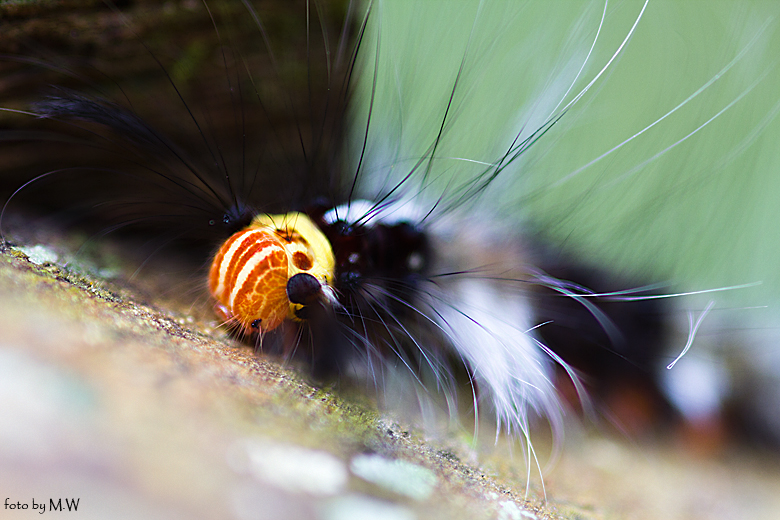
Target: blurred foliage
point(690, 201)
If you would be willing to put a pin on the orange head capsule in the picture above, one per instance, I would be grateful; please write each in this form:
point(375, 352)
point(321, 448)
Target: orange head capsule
point(268, 271)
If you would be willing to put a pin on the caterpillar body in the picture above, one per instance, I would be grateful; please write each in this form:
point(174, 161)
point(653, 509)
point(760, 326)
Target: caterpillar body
point(362, 265)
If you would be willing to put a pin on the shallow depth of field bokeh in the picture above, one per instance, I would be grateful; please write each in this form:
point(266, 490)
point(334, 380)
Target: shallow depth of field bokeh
point(135, 409)
point(687, 199)
point(696, 211)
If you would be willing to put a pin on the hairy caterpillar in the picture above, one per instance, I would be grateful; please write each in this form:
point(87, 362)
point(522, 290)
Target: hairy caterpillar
point(432, 310)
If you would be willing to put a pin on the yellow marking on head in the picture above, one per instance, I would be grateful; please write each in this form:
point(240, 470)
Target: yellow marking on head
point(308, 249)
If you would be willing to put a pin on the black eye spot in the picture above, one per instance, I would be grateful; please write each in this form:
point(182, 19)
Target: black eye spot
point(226, 219)
point(303, 288)
point(256, 324)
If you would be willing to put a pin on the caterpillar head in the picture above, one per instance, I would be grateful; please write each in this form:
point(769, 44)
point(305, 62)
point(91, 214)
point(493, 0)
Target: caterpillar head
point(271, 270)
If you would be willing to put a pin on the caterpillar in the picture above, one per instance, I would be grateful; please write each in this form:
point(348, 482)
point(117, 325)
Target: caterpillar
point(413, 275)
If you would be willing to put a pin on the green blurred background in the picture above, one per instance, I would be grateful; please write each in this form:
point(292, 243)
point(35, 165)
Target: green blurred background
point(700, 214)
